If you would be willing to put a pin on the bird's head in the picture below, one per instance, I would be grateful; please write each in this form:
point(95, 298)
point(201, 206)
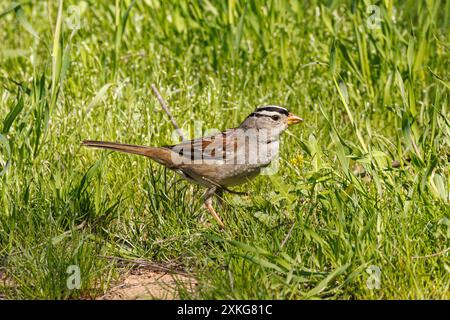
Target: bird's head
point(275, 119)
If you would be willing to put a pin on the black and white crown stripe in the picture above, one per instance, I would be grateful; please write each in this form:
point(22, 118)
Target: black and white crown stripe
point(269, 111)
point(274, 109)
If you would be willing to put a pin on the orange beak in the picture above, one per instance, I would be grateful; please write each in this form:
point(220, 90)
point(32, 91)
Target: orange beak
point(293, 119)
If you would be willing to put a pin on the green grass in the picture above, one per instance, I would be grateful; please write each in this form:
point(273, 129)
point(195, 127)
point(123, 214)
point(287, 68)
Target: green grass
point(337, 205)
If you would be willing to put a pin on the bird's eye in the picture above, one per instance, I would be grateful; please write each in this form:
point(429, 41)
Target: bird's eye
point(275, 118)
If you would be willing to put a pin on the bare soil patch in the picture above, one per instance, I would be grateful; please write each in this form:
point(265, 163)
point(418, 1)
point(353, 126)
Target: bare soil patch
point(143, 283)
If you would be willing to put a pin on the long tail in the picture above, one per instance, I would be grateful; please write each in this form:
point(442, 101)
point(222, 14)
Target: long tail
point(128, 148)
point(160, 155)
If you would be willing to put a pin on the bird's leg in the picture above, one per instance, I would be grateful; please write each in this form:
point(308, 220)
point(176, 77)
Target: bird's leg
point(219, 194)
point(213, 212)
point(208, 204)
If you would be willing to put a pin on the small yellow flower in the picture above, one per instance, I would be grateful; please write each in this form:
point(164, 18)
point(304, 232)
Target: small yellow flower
point(297, 160)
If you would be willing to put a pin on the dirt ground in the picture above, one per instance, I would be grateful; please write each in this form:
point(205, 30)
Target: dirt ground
point(148, 284)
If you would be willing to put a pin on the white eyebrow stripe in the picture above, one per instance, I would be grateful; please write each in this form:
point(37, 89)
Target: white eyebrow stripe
point(268, 113)
point(272, 107)
point(277, 109)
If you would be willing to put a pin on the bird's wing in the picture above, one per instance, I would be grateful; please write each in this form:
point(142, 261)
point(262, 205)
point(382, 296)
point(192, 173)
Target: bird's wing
point(220, 146)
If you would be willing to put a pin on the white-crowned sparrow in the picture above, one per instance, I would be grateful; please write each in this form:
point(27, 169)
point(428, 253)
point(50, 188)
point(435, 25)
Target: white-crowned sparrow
point(228, 158)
